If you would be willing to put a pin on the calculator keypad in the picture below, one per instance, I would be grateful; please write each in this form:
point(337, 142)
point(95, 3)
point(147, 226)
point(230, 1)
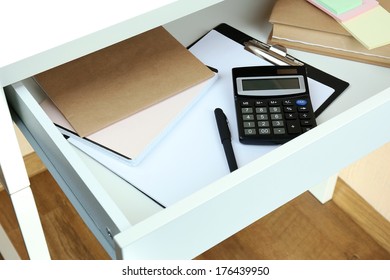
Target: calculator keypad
point(272, 121)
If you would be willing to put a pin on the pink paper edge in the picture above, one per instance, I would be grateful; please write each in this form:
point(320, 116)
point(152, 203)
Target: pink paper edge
point(367, 5)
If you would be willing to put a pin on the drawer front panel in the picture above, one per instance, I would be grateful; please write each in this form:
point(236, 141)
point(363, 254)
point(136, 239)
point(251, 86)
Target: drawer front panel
point(219, 210)
point(251, 192)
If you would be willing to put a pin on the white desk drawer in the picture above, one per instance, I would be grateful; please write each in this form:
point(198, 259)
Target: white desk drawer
point(141, 229)
point(220, 209)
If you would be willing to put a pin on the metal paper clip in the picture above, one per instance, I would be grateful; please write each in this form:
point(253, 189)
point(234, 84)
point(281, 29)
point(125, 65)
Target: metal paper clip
point(275, 54)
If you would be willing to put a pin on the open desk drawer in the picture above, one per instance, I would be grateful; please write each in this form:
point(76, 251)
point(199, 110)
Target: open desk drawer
point(131, 226)
point(136, 227)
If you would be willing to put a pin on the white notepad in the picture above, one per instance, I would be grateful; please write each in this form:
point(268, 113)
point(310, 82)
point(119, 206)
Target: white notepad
point(191, 156)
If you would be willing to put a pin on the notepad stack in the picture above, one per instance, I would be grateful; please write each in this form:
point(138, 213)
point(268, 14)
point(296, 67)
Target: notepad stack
point(125, 98)
point(326, 27)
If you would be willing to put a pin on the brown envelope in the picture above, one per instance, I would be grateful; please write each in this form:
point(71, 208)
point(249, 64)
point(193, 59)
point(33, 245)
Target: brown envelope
point(111, 84)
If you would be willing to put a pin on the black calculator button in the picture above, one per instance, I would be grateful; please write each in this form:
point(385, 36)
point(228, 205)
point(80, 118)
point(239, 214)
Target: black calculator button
point(273, 102)
point(288, 102)
point(303, 109)
point(246, 103)
point(306, 123)
point(291, 116)
point(279, 130)
point(304, 116)
point(290, 109)
point(293, 127)
point(261, 103)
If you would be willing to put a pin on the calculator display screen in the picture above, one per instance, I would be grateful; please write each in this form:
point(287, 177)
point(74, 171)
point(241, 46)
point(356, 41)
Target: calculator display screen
point(270, 85)
point(265, 84)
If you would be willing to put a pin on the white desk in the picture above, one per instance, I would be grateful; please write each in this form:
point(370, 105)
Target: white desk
point(128, 224)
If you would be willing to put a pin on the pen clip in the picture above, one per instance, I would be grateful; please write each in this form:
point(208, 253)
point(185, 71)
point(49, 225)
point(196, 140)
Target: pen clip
point(222, 124)
point(224, 133)
point(276, 54)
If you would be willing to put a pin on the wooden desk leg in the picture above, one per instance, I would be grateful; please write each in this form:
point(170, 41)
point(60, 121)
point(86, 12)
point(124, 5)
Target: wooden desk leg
point(13, 176)
point(324, 191)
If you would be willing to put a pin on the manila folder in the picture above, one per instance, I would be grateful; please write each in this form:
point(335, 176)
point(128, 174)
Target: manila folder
point(116, 82)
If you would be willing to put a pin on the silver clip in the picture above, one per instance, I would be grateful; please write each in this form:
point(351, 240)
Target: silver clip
point(275, 54)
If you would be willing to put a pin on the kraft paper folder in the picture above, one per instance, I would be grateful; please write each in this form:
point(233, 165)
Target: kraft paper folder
point(130, 140)
point(104, 87)
point(317, 32)
point(191, 155)
point(123, 99)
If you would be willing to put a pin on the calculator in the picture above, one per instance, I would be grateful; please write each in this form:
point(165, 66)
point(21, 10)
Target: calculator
point(272, 103)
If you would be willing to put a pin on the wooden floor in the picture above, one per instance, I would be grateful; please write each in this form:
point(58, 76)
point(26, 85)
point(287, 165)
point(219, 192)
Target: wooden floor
point(303, 229)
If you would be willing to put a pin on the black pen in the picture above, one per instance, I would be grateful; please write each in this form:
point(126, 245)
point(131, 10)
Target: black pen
point(224, 133)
